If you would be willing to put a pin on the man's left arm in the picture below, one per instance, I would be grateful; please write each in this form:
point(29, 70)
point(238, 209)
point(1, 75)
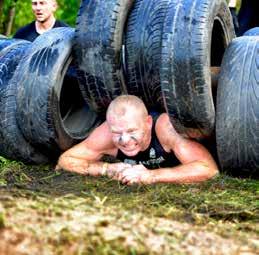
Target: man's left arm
point(197, 163)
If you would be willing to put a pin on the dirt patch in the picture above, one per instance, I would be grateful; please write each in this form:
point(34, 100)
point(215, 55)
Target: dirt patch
point(45, 212)
point(15, 243)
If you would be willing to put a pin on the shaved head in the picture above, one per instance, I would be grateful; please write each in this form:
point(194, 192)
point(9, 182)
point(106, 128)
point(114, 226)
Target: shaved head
point(129, 123)
point(125, 103)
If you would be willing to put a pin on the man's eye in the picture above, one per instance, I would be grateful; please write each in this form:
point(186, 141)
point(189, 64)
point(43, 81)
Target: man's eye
point(116, 134)
point(133, 133)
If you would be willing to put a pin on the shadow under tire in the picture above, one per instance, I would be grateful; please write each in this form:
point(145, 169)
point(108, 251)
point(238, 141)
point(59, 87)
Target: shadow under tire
point(237, 132)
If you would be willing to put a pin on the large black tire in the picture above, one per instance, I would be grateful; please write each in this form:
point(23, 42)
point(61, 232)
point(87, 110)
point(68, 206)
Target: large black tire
point(7, 44)
point(13, 144)
point(143, 50)
point(98, 44)
point(252, 32)
point(52, 113)
point(195, 36)
point(237, 125)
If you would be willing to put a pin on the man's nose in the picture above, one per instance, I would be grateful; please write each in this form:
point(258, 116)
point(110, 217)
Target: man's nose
point(37, 6)
point(125, 138)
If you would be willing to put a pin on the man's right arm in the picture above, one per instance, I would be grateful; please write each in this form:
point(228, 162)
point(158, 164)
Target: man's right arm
point(84, 158)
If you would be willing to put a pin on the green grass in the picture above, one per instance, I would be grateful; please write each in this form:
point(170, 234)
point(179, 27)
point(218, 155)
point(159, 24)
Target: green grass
point(48, 212)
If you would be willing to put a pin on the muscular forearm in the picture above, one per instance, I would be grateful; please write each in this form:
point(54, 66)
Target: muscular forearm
point(193, 172)
point(93, 168)
point(81, 166)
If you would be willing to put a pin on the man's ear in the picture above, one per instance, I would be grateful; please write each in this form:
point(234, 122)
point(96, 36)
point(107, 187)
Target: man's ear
point(55, 5)
point(149, 121)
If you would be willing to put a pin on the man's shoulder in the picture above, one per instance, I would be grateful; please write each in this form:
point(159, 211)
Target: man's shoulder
point(25, 31)
point(164, 129)
point(26, 28)
point(60, 23)
point(101, 138)
point(163, 121)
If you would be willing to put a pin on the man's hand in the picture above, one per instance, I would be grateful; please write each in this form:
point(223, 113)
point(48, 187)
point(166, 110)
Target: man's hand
point(114, 169)
point(135, 174)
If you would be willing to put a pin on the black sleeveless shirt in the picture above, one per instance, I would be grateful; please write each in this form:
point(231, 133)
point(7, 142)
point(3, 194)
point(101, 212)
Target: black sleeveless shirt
point(154, 156)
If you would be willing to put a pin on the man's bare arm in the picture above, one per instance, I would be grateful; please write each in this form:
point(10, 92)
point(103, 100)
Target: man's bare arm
point(81, 160)
point(197, 163)
point(195, 171)
point(84, 158)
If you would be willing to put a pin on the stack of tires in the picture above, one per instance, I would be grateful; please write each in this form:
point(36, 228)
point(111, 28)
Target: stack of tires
point(169, 49)
point(167, 52)
point(42, 111)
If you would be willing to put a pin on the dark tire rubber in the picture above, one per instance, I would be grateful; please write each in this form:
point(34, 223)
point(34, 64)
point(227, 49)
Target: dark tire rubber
point(13, 144)
point(252, 32)
point(98, 44)
point(237, 131)
point(52, 113)
point(143, 50)
point(195, 36)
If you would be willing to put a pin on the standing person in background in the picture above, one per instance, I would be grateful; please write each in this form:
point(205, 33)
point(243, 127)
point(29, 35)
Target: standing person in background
point(45, 20)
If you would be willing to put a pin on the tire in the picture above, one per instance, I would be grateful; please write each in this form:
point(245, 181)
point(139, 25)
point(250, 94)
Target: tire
point(52, 114)
point(143, 51)
point(13, 144)
point(252, 32)
point(7, 44)
point(207, 28)
point(98, 44)
point(237, 123)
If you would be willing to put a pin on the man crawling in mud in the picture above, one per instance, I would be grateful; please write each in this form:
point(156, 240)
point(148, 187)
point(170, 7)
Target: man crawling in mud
point(150, 149)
